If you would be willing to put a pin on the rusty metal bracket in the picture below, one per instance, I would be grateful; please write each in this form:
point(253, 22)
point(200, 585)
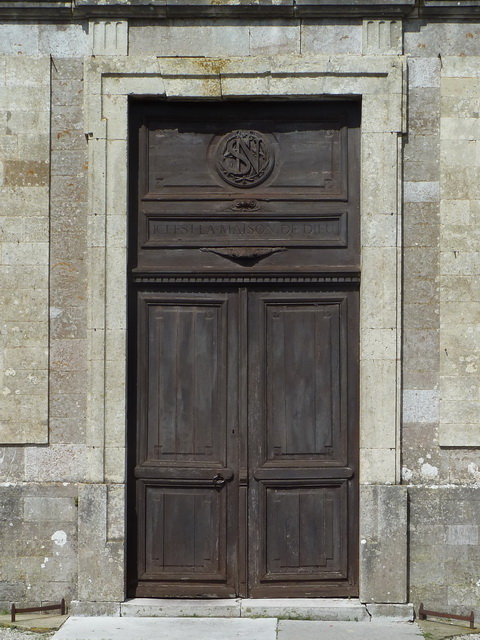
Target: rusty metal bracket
point(423, 613)
point(53, 607)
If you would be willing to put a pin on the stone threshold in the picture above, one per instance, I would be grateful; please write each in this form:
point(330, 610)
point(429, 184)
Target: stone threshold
point(326, 609)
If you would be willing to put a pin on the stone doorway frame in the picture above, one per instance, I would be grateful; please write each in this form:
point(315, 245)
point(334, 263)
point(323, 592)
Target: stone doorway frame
point(378, 81)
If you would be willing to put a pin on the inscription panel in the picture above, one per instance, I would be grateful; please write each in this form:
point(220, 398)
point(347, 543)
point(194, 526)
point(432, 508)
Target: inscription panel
point(245, 174)
point(192, 232)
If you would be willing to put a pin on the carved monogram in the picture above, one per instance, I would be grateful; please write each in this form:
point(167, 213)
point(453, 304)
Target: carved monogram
point(244, 158)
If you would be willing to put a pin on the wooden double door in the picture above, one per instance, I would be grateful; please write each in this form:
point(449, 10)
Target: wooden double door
point(243, 365)
point(246, 477)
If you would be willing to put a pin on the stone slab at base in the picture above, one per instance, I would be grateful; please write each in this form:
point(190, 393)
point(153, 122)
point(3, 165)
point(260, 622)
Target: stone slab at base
point(394, 612)
point(181, 608)
point(82, 608)
point(293, 608)
point(328, 609)
point(168, 628)
point(331, 609)
point(140, 628)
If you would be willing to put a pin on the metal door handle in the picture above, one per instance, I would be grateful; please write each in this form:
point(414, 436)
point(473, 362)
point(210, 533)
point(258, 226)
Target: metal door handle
point(219, 481)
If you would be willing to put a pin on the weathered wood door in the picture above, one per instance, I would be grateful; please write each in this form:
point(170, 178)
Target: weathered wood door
point(302, 360)
point(187, 456)
point(243, 350)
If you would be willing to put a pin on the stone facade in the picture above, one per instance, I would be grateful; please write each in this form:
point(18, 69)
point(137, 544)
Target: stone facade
point(65, 85)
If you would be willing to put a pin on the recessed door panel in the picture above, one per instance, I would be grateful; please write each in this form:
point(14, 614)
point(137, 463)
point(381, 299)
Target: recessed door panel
point(185, 533)
point(302, 378)
point(306, 532)
point(187, 392)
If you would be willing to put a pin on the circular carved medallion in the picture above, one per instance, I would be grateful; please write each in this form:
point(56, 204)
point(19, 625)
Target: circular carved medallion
point(244, 158)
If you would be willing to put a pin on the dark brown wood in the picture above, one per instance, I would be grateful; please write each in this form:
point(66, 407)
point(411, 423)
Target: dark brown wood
point(244, 267)
point(118, 10)
point(244, 254)
point(303, 448)
point(186, 416)
point(246, 174)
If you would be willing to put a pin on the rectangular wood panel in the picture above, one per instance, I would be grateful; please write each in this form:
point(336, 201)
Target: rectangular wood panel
point(306, 532)
point(185, 535)
point(186, 380)
point(302, 379)
point(304, 388)
point(205, 158)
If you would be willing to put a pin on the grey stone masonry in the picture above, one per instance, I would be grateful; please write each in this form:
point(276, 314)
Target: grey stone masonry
point(444, 548)
point(24, 246)
point(38, 533)
point(383, 544)
point(68, 71)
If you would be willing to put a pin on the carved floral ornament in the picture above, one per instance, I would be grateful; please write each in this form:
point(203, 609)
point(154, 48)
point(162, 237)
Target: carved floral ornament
point(244, 158)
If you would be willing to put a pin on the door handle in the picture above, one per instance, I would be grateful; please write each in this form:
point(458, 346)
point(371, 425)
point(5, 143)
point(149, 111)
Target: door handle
point(219, 481)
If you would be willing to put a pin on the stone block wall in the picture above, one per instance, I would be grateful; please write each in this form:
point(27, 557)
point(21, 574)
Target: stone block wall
point(68, 268)
point(441, 402)
point(459, 266)
point(24, 180)
point(38, 530)
point(441, 408)
point(444, 548)
point(61, 471)
point(43, 289)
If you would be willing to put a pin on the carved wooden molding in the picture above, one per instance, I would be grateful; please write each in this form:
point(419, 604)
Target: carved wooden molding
point(244, 253)
point(247, 206)
point(195, 9)
point(219, 278)
point(116, 9)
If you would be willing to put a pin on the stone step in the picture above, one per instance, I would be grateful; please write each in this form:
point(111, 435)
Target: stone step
point(328, 609)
